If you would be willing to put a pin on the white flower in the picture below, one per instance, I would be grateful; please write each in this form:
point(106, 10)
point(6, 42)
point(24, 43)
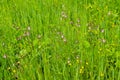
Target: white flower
point(102, 30)
point(39, 36)
point(62, 36)
point(28, 28)
point(4, 56)
point(103, 40)
point(64, 40)
point(109, 13)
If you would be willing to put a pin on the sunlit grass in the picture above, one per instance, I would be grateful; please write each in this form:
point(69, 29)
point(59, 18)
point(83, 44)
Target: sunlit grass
point(59, 40)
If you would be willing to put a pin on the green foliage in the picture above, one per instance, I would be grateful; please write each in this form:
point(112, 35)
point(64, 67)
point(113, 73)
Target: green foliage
point(59, 40)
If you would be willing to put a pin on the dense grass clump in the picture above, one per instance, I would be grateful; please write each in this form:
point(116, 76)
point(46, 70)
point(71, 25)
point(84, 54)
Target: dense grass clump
point(59, 40)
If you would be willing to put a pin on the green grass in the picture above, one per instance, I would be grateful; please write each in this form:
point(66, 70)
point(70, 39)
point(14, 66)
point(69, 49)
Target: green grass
point(59, 40)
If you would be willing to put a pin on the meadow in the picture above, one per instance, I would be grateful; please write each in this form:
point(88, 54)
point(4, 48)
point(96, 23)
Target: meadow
point(59, 40)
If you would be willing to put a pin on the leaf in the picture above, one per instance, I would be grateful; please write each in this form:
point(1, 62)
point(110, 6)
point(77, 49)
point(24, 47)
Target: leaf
point(35, 42)
point(117, 54)
point(118, 63)
point(23, 52)
point(113, 50)
point(86, 44)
